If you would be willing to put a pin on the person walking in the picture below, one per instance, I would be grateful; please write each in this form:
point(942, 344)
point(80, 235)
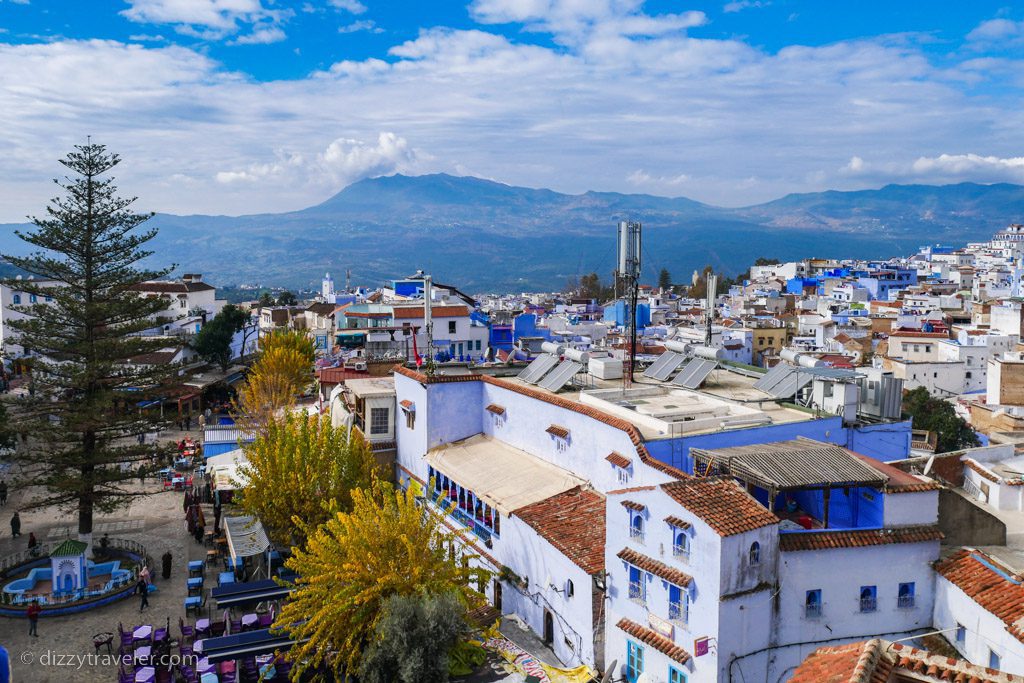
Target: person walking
point(3, 492)
point(32, 543)
point(15, 525)
point(143, 588)
point(33, 619)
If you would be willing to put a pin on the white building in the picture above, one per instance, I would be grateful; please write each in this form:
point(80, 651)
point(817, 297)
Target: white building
point(978, 603)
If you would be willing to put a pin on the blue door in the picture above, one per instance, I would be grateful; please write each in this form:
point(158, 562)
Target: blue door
point(69, 583)
point(634, 661)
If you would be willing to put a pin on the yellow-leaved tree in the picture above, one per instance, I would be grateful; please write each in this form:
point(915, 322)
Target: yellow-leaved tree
point(282, 370)
point(387, 545)
point(300, 467)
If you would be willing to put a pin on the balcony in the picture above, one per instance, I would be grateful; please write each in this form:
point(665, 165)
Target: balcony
point(636, 534)
point(681, 552)
point(677, 614)
point(478, 529)
point(905, 602)
point(868, 604)
point(812, 611)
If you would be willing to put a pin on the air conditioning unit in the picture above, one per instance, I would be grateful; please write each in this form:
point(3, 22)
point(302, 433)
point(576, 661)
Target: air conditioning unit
point(359, 365)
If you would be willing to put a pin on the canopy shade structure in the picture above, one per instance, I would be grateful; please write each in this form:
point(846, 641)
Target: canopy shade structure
point(504, 477)
point(237, 594)
point(787, 465)
point(246, 536)
point(225, 470)
point(246, 644)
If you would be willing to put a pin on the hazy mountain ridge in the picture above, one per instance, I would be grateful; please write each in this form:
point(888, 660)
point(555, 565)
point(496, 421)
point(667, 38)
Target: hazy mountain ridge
point(490, 236)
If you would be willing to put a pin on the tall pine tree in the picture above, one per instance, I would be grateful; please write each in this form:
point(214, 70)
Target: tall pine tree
point(82, 328)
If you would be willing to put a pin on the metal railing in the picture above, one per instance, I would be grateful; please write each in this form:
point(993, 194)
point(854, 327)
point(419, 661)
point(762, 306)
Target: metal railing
point(868, 604)
point(636, 592)
point(905, 602)
point(677, 613)
point(636, 533)
point(812, 610)
point(681, 551)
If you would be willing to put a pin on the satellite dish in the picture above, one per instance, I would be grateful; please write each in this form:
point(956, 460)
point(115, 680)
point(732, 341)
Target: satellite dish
point(645, 678)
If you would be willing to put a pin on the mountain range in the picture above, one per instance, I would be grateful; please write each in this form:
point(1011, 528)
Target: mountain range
point(486, 236)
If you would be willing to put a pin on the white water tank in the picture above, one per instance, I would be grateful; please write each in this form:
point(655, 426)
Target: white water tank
point(576, 355)
point(677, 346)
point(706, 352)
point(552, 348)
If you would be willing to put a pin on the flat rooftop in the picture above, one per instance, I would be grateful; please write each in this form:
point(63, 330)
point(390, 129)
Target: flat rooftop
point(371, 386)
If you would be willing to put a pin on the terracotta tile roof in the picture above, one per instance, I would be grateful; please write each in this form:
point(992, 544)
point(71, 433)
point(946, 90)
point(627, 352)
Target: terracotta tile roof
point(988, 584)
point(973, 464)
point(558, 430)
point(899, 481)
point(407, 404)
point(630, 505)
point(876, 661)
point(573, 522)
point(496, 409)
point(659, 569)
point(859, 538)
point(722, 504)
point(631, 489)
point(339, 375)
point(618, 460)
point(552, 399)
point(655, 640)
point(677, 523)
point(435, 312)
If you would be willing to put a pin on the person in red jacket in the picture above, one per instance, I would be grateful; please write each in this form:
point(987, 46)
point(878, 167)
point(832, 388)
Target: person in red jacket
point(33, 618)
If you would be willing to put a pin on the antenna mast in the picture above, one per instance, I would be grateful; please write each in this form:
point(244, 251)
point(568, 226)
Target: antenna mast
point(710, 307)
point(628, 270)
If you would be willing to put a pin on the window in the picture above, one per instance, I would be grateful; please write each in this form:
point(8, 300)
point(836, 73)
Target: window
point(636, 527)
point(17, 299)
point(993, 660)
point(379, 420)
point(569, 588)
point(812, 604)
point(637, 590)
point(182, 303)
point(32, 298)
point(634, 661)
point(675, 675)
point(410, 419)
point(681, 544)
point(755, 554)
point(968, 375)
point(905, 597)
point(868, 598)
point(451, 327)
point(678, 605)
point(622, 474)
point(477, 344)
point(961, 634)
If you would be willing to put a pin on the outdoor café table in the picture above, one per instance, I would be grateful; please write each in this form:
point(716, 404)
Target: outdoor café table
point(193, 602)
point(202, 624)
point(249, 620)
point(195, 584)
point(205, 665)
point(225, 577)
point(178, 481)
point(142, 632)
point(143, 653)
point(197, 647)
point(195, 568)
point(146, 674)
point(208, 677)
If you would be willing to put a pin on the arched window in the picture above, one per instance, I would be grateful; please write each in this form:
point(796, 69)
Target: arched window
point(681, 544)
point(569, 589)
point(17, 299)
point(636, 529)
point(755, 554)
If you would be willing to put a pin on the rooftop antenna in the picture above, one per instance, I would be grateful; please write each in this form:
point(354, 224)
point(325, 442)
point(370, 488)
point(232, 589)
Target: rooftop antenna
point(628, 270)
point(348, 280)
point(710, 307)
point(428, 324)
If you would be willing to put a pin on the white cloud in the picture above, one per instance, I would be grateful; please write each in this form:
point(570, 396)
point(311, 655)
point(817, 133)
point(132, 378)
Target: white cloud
point(741, 5)
point(343, 162)
point(353, 6)
point(212, 19)
point(997, 30)
point(361, 25)
point(146, 38)
point(944, 168)
point(617, 105)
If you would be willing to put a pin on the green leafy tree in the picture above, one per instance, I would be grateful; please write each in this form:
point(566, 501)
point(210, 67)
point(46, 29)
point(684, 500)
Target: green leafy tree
point(286, 298)
point(266, 300)
point(213, 342)
point(590, 286)
point(664, 280)
point(82, 326)
point(413, 639)
point(936, 415)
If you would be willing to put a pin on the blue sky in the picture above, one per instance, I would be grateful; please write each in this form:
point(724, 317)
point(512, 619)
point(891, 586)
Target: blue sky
point(241, 106)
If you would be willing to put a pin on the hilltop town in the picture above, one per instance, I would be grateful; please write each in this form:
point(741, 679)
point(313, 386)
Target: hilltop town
point(806, 472)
